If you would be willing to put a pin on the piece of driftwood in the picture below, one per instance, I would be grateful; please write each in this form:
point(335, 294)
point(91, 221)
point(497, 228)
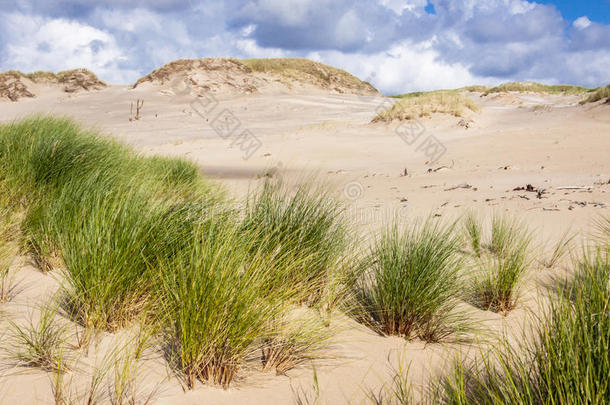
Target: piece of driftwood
point(573, 188)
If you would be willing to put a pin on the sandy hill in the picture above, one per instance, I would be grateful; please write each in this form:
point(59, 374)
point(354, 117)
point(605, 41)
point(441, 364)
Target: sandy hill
point(234, 76)
point(15, 85)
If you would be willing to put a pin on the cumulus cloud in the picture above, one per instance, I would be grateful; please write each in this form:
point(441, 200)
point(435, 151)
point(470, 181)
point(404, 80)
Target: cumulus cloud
point(33, 43)
point(581, 23)
point(398, 45)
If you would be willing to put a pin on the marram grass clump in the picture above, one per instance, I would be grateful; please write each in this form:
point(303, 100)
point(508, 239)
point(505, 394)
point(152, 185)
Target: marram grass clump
point(601, 94)
point(426, 104)
point(218, 304)
point(499, 263)
point(567, 361)
point(410, 283)
point(302, 224)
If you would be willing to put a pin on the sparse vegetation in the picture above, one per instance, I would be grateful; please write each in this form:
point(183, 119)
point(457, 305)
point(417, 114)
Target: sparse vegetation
point(308, 71)
point(294, 340)
point(410, 283)
point(289, 71)
point(561, 249)
point(567, 362)
point(534, 87)
point(41, 343)
point(603, 93)
point(416, 105)
point(498, 274)
point(470, 89)
point(13, 87)
point(398, 392)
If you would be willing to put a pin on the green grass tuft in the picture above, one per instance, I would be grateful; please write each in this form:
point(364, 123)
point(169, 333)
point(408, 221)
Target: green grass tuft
point(218, 303)
point(40, 344)
point(499, 272)
point(411, 282)
point(567, 362)
point(303, 225)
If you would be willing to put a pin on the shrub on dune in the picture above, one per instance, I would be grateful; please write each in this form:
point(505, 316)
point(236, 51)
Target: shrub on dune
point(410, 283)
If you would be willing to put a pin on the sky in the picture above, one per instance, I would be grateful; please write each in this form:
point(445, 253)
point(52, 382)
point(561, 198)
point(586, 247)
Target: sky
point(397, 45)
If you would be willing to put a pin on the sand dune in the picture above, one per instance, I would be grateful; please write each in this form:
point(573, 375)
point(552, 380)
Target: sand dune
point(548, 165)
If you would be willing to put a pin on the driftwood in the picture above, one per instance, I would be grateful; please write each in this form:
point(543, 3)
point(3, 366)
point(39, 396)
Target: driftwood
point(573, 187)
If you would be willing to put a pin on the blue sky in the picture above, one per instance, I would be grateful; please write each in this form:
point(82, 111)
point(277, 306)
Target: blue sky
point(398, 45)
point(596, 10)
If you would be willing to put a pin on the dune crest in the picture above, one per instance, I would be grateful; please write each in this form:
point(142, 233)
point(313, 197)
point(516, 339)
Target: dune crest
point(15, 85)
point(248, 76)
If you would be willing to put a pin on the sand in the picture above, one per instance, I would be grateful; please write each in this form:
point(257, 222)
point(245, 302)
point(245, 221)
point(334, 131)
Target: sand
point(380, 171)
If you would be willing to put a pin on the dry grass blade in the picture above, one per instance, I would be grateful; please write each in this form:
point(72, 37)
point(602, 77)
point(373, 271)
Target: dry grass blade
point(562, 248)
point(8, 251)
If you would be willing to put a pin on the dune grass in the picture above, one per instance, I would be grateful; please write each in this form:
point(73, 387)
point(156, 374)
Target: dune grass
point(415, 94)
point(105, 211)
point(500, 269)
point(534, 87)
point(293, 340)
point(398, 392)
point(600, 94)
point(218, 302)
point(561, 249)
point(567, 362)
point(46, 76)
point(474, 233)
point(149, 237)
point(419, 105)
point(42, 343)
point(8, 251)
point(302, 224)
point(410, 283)
point(305, 70)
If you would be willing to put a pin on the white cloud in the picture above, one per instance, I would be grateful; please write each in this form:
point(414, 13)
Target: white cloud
point(34, 43)
point(582, 23)
point(399, 6)
point(404, 67)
